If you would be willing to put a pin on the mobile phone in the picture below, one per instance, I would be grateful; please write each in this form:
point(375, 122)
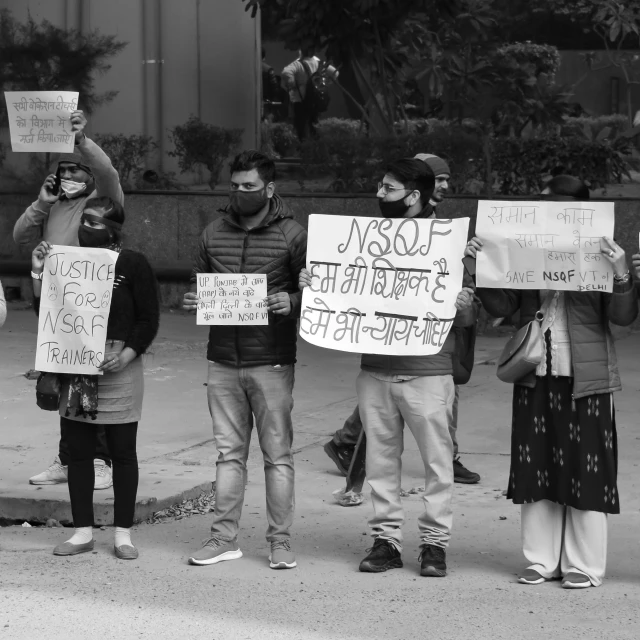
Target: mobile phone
point(56, 186)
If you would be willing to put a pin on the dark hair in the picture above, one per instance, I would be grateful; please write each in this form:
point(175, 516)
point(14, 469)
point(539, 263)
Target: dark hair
point(253, 159)
point(568, 186)
point(415, 175)
point(111, 210)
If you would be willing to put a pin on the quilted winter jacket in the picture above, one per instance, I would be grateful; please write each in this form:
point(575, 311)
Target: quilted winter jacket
point(278, 248)
point(593, 354)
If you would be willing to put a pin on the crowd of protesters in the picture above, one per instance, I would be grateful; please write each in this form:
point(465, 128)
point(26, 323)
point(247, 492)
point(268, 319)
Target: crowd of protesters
point(251, 377)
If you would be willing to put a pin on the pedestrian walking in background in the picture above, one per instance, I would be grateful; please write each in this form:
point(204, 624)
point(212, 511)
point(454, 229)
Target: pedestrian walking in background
point(54, 217)
point(251, 368)
point(341, 447)
point(112, 401)
point(564, 448)
point(306, 79)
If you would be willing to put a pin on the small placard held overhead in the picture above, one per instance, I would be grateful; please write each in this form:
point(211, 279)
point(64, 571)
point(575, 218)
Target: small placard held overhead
point(39, 120)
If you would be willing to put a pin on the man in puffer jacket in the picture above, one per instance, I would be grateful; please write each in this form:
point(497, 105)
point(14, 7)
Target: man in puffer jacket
point(55, 217)
point(251, 368)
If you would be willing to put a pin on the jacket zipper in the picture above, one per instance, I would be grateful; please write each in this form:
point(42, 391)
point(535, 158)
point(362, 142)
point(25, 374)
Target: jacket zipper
point(242, 267)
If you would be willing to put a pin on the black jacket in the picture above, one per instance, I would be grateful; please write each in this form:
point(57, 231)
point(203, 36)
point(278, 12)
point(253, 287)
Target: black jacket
point(277, 248)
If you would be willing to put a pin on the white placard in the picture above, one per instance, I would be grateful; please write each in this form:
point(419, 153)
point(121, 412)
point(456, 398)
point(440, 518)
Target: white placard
point(382, 286)
point(74, 309)
point(39, 120)
point(232, 298)
point(544, 245)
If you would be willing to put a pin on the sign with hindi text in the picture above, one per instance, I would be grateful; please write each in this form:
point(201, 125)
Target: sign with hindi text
point(232, 298)
point(544, 245)
point(39, 120)
point(74, 309)
point(382, 286)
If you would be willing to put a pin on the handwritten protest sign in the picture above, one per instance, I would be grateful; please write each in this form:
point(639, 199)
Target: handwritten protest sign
point(544, 245)
point(380, 285)
point(232, 298)
point(39, 120)
point(74, 309)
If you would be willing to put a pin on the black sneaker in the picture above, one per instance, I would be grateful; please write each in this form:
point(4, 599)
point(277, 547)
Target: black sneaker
point(340, 455)
point(462, 474)
point(433, 561)
point(382, 557)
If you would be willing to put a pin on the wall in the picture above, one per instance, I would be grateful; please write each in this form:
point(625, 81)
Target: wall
point(184, 57)
point(167, 227)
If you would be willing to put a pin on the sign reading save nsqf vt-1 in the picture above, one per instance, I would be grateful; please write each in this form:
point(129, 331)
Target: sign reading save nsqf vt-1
point(382, 286)
point(74, 309)
point(544, 245)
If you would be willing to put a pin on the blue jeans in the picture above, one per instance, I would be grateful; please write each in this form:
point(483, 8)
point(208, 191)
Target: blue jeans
point(235, 397)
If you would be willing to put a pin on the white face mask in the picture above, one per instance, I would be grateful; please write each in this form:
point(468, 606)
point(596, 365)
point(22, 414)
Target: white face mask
point(72, 189)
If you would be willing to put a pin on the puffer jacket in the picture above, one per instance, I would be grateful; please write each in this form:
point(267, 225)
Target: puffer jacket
point(593, 354)
point(277, 248)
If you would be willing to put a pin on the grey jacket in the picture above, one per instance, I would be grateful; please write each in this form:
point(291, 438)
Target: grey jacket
point(593, 354)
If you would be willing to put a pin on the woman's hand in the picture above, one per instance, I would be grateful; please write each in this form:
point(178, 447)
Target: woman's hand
point(190, 301)
point(38, 256)
point(473, 246)
point(464, 299)
point(614, 253)
point(118, 362)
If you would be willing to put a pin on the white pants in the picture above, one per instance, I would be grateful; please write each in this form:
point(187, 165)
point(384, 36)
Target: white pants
point(557, 540)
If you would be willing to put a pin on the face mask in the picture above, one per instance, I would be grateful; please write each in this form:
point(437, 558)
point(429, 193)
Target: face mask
point(88, 237)
point(72, 189)
point(394, 209)
point(248, 203)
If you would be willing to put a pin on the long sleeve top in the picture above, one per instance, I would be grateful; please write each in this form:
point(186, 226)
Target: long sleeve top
point(58, 223)
point(294, 77)
point(135, 306)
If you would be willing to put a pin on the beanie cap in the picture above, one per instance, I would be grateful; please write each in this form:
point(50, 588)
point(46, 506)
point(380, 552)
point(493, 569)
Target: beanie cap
point(436, 163)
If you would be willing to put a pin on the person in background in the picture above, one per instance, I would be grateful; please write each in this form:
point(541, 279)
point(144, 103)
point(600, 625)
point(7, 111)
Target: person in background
point(112, 401)
point(251, 368)
point(3, 306)
point(54, 217)
point(270, 85)
point(341, 447)
point(295, 77)
point(564, 457)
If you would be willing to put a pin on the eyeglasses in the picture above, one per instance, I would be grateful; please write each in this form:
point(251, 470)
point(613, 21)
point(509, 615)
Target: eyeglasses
point(387, 188)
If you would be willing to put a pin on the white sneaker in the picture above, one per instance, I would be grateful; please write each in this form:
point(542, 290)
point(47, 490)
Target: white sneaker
point(55, 474)
point(104, 478)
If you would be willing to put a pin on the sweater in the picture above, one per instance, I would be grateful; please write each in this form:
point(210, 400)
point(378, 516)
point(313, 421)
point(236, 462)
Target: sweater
point(277, 248)
point(58, 223)
point(135, 306)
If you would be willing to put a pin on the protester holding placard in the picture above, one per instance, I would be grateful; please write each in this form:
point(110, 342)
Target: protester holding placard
point(564, 459)
point(341, 448)
point(55, 217)
point(112, 401)
point(251, 366)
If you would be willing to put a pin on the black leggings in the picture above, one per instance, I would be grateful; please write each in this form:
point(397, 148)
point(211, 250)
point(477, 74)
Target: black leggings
point(121, 439)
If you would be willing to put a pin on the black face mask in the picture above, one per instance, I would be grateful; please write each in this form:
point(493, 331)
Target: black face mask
point(248, 203)
point(88, 237)
point(394, 209)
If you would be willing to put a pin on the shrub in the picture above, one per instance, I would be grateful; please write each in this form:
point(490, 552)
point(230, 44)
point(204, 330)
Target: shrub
point(341, 126)
point(520, 165)
point(127, 153)
point(592, 126)
point(278, 139)
point(198, 143)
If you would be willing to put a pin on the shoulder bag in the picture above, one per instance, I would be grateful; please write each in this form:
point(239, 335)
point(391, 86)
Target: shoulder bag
point(523, 353)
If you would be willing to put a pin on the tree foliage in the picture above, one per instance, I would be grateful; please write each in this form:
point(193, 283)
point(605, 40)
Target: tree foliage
point(40, 56)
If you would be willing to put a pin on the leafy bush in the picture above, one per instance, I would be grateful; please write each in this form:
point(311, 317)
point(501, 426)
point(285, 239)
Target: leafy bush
point(127, 153)
point(592, 126)
point(278, 139)
point(340, 126)
point(519, 165)
point(198, 143)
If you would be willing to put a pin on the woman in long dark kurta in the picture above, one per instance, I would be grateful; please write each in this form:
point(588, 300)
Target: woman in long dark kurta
point(564, 445)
